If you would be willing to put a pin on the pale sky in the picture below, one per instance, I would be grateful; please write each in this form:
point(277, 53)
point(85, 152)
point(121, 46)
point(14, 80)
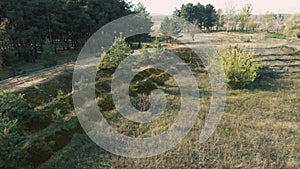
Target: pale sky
point(259, 6)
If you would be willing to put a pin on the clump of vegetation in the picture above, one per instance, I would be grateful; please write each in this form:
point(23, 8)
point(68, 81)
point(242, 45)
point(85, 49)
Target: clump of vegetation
point(60, 94)
point(145, 54)
point(293, 26)
point(57, 116)
point(13, 110)
point(14, 106)
point(298, 136)
point(118, 51)
point(1, 68)
point(48, 55)
point(74, 58)
point(275, 35)
point(170, 27)
point(244, 16)
point(156, 44)
point(246, 40)
point(10, 142)
point(239, 66)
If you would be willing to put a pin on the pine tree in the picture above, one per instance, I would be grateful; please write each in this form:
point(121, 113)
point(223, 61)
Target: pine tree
point(25, 24)
point(119, 50)
point(203, 15)
point(48, 54)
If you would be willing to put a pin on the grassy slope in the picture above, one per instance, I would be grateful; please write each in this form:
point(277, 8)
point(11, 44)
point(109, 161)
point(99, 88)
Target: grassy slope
point(260, 128)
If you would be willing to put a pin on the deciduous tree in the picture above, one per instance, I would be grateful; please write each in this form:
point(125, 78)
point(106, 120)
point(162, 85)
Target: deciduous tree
point(293, 26)
point(269, 20)
point(170, 27)
point(204, 16)
point(244, 16)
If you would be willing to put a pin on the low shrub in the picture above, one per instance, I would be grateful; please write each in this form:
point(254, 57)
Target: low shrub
point(275, 35)
point(298, 136)
point(246, 40)
point(1, 68)
point(57, 116)
point(60, 94)
point(239, 66)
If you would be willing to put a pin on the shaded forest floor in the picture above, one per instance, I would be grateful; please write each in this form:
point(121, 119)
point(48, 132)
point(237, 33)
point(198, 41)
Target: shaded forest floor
point(26, 68)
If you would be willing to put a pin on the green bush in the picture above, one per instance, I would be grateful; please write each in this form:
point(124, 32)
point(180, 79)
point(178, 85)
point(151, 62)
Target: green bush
point(298, 136)
point(246, 40)
point(13, 111)
point(60, 94)
point(48, 55)
point(156, 44)
point(57, 116)
point(117, 52)
point(239, 66)
point(1, 67)
point(10, 143)
point(275, 35)
point(105, 63)
point(14, 106)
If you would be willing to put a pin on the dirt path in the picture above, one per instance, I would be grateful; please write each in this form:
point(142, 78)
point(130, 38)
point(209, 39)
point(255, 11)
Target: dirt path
point(20, 82)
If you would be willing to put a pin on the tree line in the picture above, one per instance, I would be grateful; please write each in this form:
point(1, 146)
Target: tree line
point(207, 18)
point(27, 24)
point(204, 16)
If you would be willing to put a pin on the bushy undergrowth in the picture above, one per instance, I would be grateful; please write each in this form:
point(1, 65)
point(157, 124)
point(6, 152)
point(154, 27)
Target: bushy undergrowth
point(10, 142)
point(275, 35)
point(239, 66)
point(14, 106)
point(13, 110)
point(18, 144)
point(1, 67)
point(292, 27)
